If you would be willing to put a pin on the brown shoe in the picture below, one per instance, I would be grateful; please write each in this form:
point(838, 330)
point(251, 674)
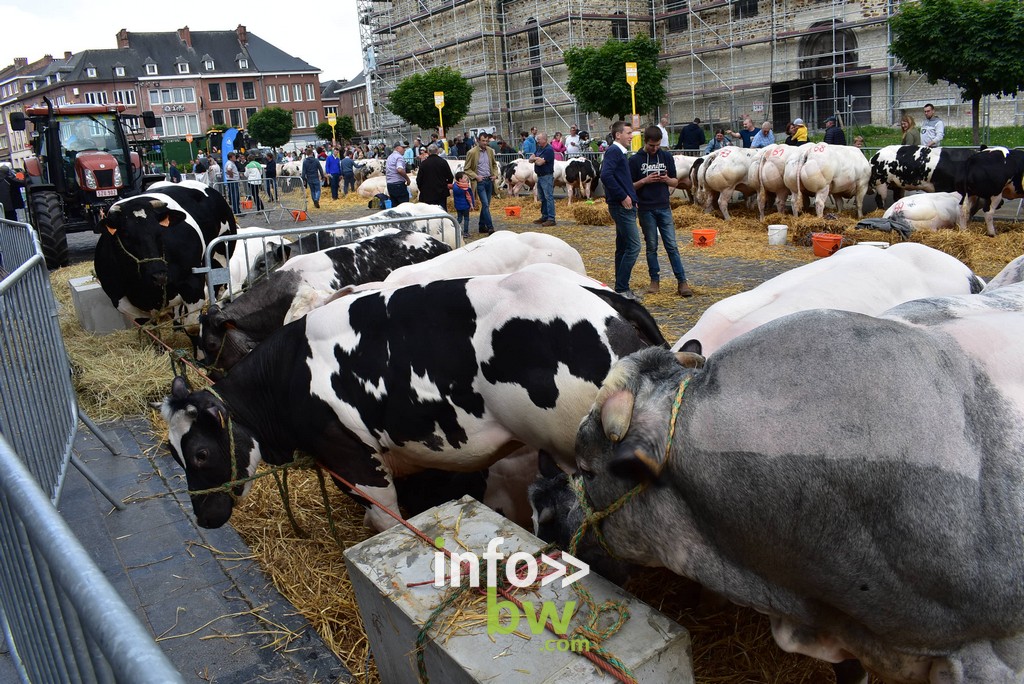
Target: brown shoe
point(653, 287)
point(547, 224)
point(538, 221)
point(684, 290)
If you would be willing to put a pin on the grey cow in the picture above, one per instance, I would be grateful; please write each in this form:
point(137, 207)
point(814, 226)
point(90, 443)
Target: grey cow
point(871, 501)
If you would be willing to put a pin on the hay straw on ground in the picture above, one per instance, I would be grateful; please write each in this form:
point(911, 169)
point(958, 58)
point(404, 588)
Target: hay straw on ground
point(116, 376)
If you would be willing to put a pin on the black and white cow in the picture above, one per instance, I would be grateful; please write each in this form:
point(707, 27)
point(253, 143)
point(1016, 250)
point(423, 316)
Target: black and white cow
point(581, 177)
point(989, 177)
point(913, 167)
point(871, 503)
point(231, 330)
point(519, 174)
point(453, 374)
point(149, 244)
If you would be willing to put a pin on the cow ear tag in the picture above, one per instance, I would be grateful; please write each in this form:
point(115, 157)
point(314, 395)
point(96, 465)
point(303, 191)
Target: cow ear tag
point(112, 230)
point(166, 220)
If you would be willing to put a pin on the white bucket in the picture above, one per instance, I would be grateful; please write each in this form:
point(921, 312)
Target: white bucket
point(777, 234)
point(880, 245)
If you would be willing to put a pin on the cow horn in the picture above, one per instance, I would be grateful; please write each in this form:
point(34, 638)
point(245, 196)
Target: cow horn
point(158, 204)
point(616, 413)
point(689, 359)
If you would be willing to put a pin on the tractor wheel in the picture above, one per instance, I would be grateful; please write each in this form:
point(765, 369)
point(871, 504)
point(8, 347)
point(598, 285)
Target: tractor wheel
point(48, 220)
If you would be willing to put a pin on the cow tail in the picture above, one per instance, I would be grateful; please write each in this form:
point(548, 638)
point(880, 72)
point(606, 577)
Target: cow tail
point(636, 315)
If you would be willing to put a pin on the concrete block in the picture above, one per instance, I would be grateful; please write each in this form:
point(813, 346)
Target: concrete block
point(383, 568)
point(93, 308)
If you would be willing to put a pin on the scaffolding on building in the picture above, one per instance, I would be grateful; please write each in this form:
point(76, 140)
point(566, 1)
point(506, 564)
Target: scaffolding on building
point(774, 60)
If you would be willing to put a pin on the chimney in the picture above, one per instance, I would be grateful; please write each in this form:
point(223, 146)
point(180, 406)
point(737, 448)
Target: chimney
point(67, 54)
point(20, 62)
point(243, 37)
point(122, 40)
point(185, 36)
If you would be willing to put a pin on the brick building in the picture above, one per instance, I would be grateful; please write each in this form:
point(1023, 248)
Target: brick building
point(772, 59)
point(192, 80)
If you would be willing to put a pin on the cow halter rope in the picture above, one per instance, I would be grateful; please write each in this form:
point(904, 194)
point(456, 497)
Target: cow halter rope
point(592, 518)
point(598, 655)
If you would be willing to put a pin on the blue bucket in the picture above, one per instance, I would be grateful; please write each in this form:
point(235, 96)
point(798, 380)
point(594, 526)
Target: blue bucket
point(387, 204)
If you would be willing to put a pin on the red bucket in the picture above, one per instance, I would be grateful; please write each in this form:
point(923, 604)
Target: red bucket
point(826, 244)
point(704, 238)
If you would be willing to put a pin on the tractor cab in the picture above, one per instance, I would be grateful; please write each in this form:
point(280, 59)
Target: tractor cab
point(82, 163)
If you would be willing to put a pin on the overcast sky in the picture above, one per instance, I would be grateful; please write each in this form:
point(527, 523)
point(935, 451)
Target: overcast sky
point(38, 27)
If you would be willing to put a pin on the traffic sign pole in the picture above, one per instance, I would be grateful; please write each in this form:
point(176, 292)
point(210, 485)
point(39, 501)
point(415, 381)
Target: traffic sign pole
point(439, 103)
point(631, 79)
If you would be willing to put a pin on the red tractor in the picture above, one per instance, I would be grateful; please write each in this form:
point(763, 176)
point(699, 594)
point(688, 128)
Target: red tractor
point(82, 164)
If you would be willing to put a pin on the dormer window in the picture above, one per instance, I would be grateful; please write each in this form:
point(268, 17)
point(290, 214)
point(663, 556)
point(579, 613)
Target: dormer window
point(208, 65)
point(151, 69)
point(243, 63)
point(182, 67)
point(91, 72)
point(119, 71)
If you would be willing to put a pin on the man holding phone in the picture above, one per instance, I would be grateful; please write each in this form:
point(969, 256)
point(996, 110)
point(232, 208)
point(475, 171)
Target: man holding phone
point(654, 177)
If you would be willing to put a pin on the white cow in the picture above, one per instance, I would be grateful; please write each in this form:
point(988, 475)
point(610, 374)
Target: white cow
point(684, 163)
point(723, 172)
point(372, 187)
point(503, 252)
point(292, 168)
point(772, 176)
point(368, 168)
point(1012, 273)
point(836, 170)
point(456, 165)
point(862, 279)
point(247, 252)
point(923, 211)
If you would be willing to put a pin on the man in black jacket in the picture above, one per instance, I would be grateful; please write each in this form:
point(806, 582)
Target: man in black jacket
point(692, 136)
point(833, 133)
point(434, 179)
point(10, 192)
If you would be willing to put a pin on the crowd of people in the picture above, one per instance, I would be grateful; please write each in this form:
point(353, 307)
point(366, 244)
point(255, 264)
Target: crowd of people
point(637, 186)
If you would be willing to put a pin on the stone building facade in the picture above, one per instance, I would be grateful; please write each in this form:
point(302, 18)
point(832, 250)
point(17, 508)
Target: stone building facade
point(774, 60)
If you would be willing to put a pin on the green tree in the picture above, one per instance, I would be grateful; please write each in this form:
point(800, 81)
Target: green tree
point(974, 44)
point(272, 126)
point(413, 99)
point(344, 129)
point(597, 77)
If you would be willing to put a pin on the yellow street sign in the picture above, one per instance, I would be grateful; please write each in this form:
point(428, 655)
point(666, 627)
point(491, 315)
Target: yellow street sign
point(439, 99)
point(332, 119)
point(188, 138)
point(631, 73)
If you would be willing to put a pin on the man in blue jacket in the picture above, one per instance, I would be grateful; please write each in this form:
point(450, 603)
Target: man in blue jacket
point(544, 165)
point(622, 202)
point(654, 177)
point(348, 172)
point(332, 167)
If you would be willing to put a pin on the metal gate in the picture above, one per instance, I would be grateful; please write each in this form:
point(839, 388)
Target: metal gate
point(61, 618)
point(38, 409)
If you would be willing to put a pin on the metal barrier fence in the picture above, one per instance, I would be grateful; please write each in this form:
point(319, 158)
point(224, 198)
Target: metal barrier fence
point(345, 231)
point(281, 195)
point(38, 409)
point(62, 619)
